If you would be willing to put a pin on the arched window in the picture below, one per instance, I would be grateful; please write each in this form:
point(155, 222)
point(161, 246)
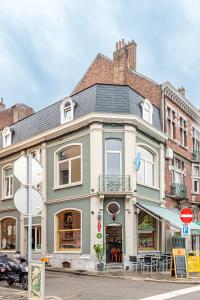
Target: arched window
point(8, 233)
point(7, 182)
point(67, 110)
point(68, 231)
point(7, 137)
point(147, 170)
point(147, 111)
point(69, 165)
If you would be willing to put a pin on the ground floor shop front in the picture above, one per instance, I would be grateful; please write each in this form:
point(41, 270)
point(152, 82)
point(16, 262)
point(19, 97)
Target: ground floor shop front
point(67, 232)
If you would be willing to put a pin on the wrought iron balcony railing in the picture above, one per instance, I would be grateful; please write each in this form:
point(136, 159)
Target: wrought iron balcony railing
point(196, 154)
point(178, 190)
point(114, 183)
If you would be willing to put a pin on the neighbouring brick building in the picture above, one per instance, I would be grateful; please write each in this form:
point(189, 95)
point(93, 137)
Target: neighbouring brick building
point(13, 114)
point(180, 121)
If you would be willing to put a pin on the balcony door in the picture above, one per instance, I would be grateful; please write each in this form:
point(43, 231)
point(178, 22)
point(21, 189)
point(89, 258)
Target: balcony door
point(113, 164)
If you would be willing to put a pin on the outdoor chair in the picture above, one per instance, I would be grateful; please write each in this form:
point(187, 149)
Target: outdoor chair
point(149, 264)
point(163, 263)
point(137, 264)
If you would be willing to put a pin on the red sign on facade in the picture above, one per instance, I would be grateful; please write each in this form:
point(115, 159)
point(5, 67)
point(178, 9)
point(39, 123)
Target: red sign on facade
point(186, 215)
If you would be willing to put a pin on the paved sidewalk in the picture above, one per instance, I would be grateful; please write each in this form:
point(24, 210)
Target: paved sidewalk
point(12, 294)
point(154, 276)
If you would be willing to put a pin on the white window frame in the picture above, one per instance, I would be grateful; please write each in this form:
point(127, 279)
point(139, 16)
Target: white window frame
point(7, 137)
point(170, 119)
point(11, 189)
point(155, 154)
point(195, 178)
point(147, 107)
point(71, 104)
point(179, 171)
point(36, 227)
point(184, 132)
point(195, 139)
point(56, 167)
point(112, 152)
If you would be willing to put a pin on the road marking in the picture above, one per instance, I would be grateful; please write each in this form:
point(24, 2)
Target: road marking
point(53, 298)
point(173, 294)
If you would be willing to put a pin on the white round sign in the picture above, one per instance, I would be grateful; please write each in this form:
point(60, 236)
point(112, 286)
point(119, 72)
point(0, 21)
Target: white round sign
point(20, 170)
point(36, 201)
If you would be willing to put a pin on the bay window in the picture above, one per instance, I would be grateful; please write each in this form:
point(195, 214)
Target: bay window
point(147, 171)
point(195, 179)
point(68, 231)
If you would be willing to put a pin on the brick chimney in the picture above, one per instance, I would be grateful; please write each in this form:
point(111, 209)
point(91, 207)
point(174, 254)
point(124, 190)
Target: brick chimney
point(181, 90)
point(124, 57)
point(2, 105)
point(21, 111)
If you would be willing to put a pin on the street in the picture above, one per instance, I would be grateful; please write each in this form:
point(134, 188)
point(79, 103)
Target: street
point(67, 286)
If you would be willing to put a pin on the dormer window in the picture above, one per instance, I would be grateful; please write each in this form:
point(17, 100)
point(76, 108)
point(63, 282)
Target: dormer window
point(7, 137)
point(67, 110)
point(147, 111)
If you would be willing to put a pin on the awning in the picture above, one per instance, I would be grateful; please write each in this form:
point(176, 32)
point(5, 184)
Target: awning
point(168, 215)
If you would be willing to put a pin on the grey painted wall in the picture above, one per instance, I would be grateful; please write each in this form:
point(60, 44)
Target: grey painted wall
point(69, 191)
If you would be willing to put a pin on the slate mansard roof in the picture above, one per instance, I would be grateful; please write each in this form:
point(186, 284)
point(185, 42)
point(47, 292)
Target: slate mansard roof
point(98, 98)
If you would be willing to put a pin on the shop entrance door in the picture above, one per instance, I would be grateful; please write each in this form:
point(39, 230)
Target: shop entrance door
point(114, 243)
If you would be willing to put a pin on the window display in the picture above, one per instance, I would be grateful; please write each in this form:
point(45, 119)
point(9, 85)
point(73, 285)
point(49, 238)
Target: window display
point(69, 231)
point(8, 234)
point(146, 232)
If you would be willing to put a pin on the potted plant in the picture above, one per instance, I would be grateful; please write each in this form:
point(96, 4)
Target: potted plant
point(99, 250)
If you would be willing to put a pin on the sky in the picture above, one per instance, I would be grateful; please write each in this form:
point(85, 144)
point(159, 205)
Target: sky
point(47, 45)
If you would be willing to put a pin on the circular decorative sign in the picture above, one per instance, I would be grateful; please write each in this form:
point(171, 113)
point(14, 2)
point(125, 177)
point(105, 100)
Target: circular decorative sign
point(113, 208)
point(99, 235)
point(186, 215)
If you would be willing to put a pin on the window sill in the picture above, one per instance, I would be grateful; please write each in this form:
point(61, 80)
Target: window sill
point(149, 186)
point(7, 198)
point(7, 251)
point(67, 185)
point(67, 252)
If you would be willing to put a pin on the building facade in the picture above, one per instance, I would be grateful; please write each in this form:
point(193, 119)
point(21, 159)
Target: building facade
point(88, 145)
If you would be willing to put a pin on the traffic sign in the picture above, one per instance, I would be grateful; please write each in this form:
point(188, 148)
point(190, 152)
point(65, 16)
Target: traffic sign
point(185, 230)
point(20, 171)
point(36, 202)
point(186, 215)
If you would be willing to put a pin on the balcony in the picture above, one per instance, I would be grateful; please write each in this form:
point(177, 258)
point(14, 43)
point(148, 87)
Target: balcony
point(114, 184)
point(196, 155)
point(178, 191)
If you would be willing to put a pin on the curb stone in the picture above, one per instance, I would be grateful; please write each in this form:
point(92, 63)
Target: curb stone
point(119, 276)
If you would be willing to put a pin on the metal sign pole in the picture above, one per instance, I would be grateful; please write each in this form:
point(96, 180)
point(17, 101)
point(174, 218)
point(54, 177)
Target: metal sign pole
point(29, 179)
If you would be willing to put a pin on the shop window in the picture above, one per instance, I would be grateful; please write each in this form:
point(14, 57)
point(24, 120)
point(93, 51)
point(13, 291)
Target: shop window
point(69, 231)
point(36, 238)
point(147, 111)
point(7, 182)
point(146, 232)
point(8, 234)
point(7, 137)
point(69, 165)
point(113, 157)
point(67, 110)
point(147, 172)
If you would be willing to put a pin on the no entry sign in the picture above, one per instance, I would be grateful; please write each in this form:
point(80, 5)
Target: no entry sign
point(186, 215)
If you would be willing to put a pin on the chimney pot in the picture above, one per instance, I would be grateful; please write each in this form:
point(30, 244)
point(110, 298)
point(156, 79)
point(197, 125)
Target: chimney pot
point(182, 90)
point(117, 46)
point(120, 44)
point(123, 44)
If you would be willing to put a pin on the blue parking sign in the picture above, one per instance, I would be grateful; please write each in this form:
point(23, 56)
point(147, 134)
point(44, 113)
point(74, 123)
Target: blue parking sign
point(185, 230)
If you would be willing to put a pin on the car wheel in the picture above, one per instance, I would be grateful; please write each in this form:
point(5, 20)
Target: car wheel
point(25, 282)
